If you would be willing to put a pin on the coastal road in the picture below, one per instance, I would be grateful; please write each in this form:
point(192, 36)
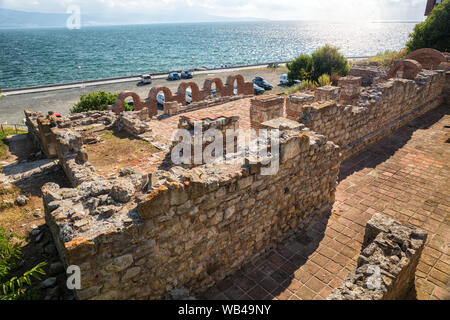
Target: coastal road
point(61, 98)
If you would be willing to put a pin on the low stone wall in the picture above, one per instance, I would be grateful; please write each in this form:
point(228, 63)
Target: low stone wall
point(370, 74)
point(387, 265)
point(380, 110)
point(193, 227)
point(133, 122)
point(199, 145)
point(264, 108)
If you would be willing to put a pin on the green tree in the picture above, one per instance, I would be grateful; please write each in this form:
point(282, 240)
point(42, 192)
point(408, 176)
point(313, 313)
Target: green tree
point(434, 32)
point(300, 68)
point(328, 60)
point(97, 101)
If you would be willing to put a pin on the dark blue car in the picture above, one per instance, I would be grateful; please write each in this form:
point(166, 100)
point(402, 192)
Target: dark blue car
point(260, 82)
point(174, 76)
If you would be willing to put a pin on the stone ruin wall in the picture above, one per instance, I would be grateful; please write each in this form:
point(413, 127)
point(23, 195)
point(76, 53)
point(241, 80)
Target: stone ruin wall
point(380, 110)
point(387, 265)
point(195, 226)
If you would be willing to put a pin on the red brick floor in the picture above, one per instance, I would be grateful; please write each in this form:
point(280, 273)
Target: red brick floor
point(406, 176)
point(166, 126)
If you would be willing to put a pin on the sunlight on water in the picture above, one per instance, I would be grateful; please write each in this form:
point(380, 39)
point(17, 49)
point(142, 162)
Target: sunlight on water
point(42, 56)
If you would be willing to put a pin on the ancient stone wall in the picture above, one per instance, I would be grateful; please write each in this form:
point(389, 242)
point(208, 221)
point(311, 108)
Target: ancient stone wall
point(387, 265)
point(380, 110)
point(370, 74)
point(264, 108)
point(199, 143)
point(193, 227)
point(295, 103)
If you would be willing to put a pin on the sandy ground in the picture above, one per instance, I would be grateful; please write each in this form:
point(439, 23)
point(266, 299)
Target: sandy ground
point(11, 107)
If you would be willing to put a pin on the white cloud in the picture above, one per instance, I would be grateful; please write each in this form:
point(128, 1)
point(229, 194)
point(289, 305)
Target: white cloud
point(343, 10)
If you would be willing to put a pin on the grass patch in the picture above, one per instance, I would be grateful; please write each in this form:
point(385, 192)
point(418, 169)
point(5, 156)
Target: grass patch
point(386, 58)
point(3, 134)
point(293, 89)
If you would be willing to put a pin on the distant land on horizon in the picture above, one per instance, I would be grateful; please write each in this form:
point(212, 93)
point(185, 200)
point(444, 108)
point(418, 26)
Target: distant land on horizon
point(23, 19)
point(12, 19)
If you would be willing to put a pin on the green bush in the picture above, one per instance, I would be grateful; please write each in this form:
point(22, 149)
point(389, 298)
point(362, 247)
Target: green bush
point(324, 80)
point(97, 101)
point(16, 287)
point(329, 60)
point(326, 60)
point(434, 32)
point(300, 68)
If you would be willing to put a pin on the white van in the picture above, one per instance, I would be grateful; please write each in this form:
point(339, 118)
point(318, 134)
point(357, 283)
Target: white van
point(146, 79)
point(284, 79)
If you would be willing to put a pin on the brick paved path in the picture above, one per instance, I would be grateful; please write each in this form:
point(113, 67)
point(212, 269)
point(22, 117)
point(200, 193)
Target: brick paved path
point(406, 176)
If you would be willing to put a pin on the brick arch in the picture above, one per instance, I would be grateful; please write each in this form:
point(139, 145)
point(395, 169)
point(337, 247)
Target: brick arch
point(152, 103)
point(406, 69)
point(118, 106)
point(207, 85)
point(244, 88)
point(229, 84)
point(181, 92)
point(427, 57)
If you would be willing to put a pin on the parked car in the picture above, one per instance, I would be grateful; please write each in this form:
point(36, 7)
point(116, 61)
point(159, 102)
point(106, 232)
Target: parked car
point(174, 76)
point(188, 96)
point(260, 82)
point(284, 79)
point(257, 89)
point(160, 99)
point(146, 79)
point(186, 74)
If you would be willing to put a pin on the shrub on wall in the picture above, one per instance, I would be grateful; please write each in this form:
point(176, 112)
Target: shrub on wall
point(329, 60)
point(434, 32)
point(300, 68)
point(326, 60)
point(97, 101)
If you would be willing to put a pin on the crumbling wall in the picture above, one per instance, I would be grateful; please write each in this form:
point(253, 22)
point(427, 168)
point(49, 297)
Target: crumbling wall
point(370, 74)
point(387, 265)
point(225, 126)
point(193, 227)
point(134, 122)
point(380, 110)
point(264, 108)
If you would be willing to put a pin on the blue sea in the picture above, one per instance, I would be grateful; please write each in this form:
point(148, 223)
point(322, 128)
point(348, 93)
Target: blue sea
point(46, 56)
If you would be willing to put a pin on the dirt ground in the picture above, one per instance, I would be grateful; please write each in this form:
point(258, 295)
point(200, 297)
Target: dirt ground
point(117, 150)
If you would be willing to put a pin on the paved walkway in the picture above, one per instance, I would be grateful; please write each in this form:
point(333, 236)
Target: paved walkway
point(406, 176)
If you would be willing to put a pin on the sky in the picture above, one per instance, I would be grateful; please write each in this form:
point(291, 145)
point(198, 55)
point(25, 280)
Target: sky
point(322, 10)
